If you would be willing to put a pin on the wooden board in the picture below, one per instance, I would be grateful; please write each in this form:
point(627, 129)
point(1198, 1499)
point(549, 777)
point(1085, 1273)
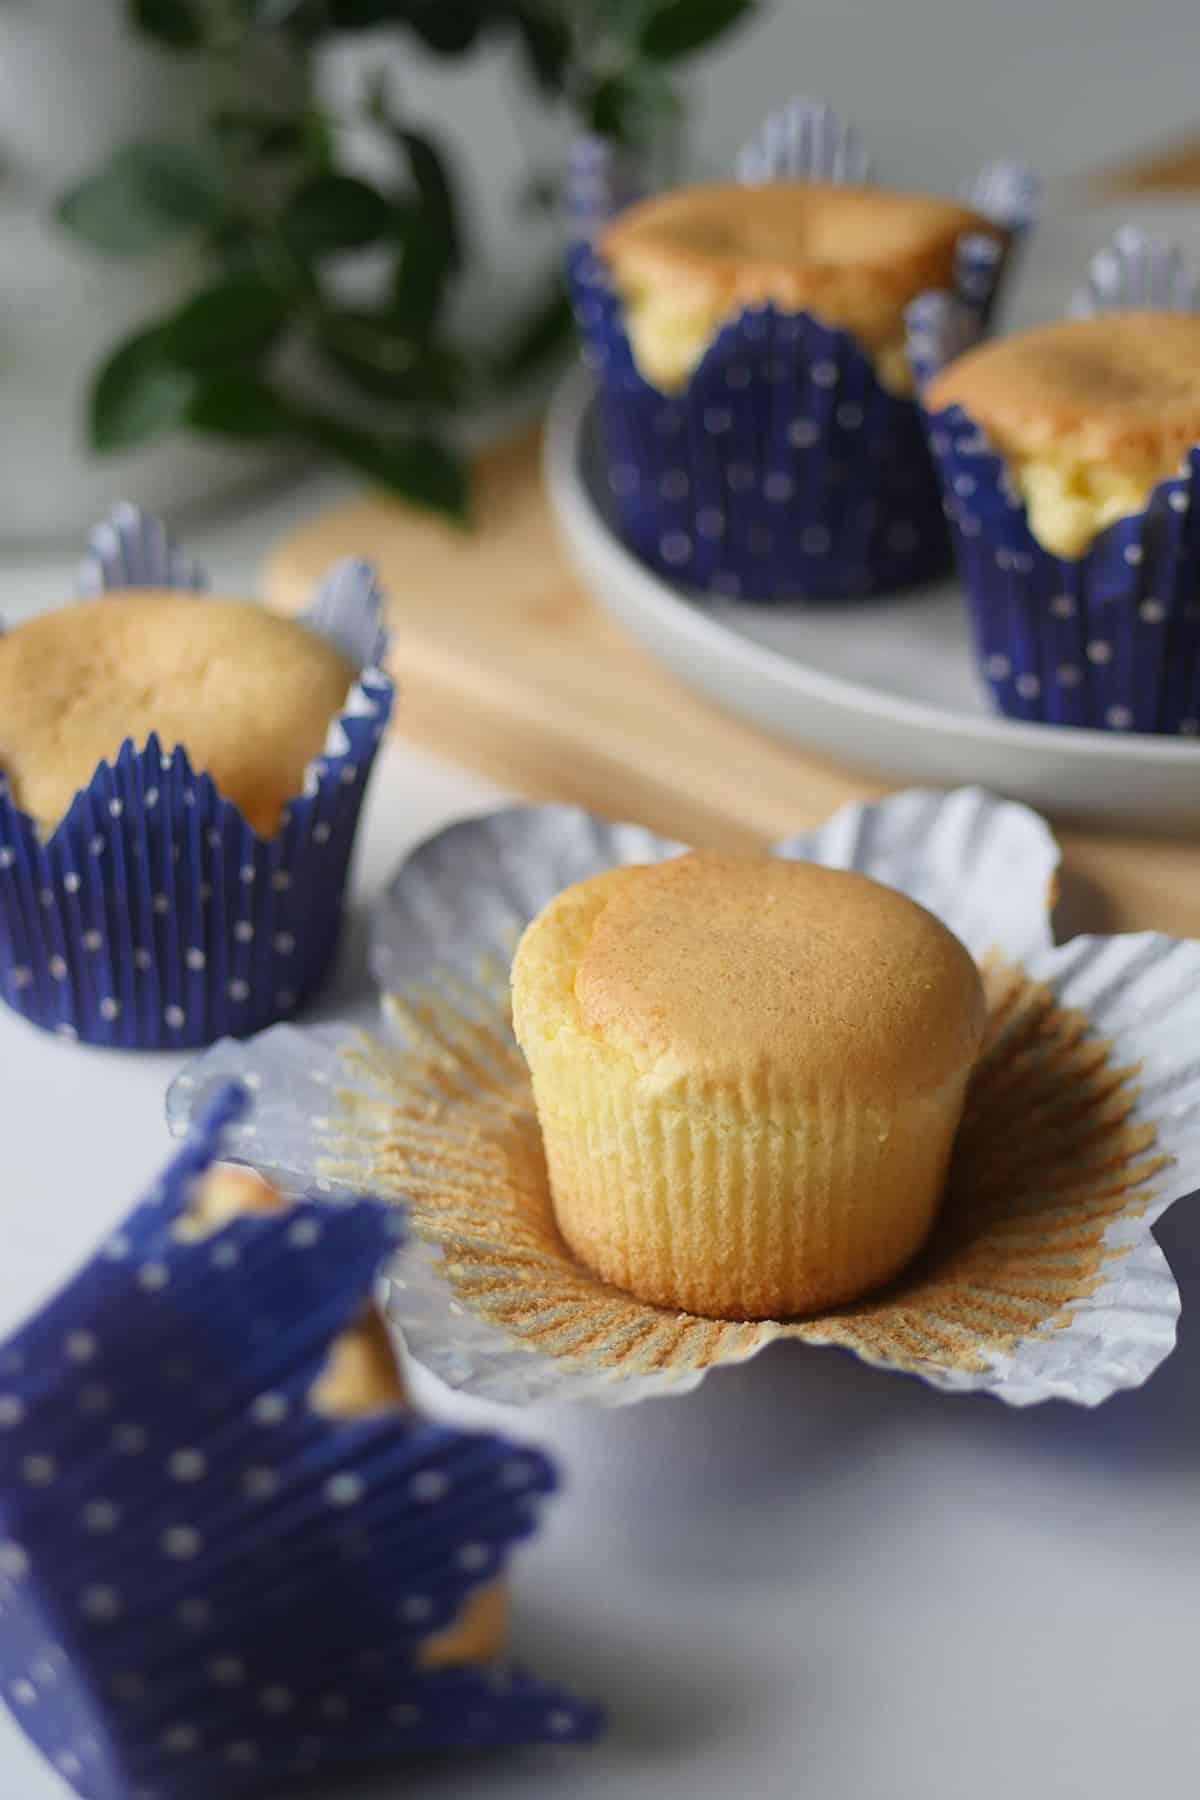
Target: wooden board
point(1172, 169)
point(508, 667)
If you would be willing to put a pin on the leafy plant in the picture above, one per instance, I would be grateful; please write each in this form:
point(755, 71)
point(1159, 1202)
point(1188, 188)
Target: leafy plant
point(264, 192)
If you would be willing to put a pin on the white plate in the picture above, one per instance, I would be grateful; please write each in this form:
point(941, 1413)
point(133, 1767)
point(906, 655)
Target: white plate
point(886, 685)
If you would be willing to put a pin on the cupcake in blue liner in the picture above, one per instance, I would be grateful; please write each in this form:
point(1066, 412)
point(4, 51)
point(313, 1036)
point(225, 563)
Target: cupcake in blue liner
point(230, 1552)
point(1069, 456)
point(189, 884)
point(748, 346)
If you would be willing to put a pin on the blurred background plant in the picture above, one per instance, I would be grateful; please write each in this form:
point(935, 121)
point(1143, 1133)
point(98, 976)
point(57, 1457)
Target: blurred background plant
point(326, 310)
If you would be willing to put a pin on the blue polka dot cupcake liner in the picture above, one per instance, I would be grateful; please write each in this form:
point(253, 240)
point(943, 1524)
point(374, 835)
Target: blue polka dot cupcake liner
point(784, 469)
point(599, 180)
point(154, 916)
point(207, 1586)
point(1109, 640)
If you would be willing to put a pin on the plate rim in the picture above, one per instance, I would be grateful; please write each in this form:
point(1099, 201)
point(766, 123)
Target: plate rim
point(677, 611)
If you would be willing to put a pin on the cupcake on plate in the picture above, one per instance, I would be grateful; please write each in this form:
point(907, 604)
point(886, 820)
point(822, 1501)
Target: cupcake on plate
point(231, 1551)
point(748, 342)
point(1069, 457)
point(180, 782)
point(748, 1074)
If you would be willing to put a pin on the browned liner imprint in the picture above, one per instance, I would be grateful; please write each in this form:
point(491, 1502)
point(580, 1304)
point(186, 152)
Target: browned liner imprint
point(1047, 1157)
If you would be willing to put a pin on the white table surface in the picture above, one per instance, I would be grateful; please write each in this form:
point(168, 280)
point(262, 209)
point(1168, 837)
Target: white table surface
point(806, 1579)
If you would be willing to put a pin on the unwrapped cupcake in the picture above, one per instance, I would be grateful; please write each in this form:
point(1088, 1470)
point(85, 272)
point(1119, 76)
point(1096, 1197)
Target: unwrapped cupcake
point(231, 1552)
point(728, 1054)
point(1069, 456)
point(180, 782)
point(748, 343)
point(739, 1084)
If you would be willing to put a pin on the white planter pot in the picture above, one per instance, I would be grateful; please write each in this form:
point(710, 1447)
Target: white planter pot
point(74, 84)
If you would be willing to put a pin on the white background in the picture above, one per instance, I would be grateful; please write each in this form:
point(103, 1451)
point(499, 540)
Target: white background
point(809, 1578)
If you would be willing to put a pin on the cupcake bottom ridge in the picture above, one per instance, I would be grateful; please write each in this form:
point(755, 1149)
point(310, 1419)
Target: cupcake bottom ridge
point(746, 1219)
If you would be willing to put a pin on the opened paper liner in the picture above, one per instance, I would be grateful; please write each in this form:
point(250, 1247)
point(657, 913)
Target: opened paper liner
point(154, 916)
point(1110, 639)
point(1042, 1279)
point(208, 1582)
point(784, 468)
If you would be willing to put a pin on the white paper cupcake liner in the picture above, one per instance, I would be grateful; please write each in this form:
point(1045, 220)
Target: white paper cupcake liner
point(153, 915)
point(1043, 1280)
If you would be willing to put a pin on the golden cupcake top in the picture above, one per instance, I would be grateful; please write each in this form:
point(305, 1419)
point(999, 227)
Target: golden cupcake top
point(686, 261)
point(248, 695)
point(753, 978)
point(1089, 413)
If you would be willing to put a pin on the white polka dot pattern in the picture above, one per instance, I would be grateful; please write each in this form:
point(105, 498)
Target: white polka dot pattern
point(781, 429)
point(1107, 641)
point(181, 1534)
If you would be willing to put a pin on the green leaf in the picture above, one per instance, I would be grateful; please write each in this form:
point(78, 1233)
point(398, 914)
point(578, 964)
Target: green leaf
point(380, 357)
point(414, 466)
point(435, 189)
point(235, 320)
point(319, 131)
point(419, 277)
point(537, 338)
point(635, 108)
point(177, 23)
point(257, 133)
point(422, 270)
point(546, 41)
point(222, 24)
point(612, 109)
point(271, 14)
point(155, 190)
point(137, 394)
point(240, 405)
point(678, 27)
point(379, 361)
point(236, 242)
point(426, 223)
point(361, 15)
point(434, 220)
point(334, 212)
point(448, 26)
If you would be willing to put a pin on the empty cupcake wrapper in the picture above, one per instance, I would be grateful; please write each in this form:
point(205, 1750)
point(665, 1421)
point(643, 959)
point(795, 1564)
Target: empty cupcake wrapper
point(1043, 1279)
point(154, 916)
point(784, 469)
point(1108, 640)
point(206, 1585)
